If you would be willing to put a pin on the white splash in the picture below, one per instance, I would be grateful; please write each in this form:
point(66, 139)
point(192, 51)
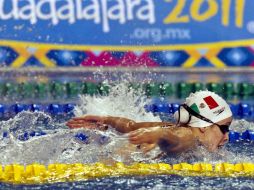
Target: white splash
point(242, 125)
point(121, 102)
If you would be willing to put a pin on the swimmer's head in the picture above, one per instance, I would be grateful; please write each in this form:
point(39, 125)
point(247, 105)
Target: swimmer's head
point(202, 109)
point(208, 112)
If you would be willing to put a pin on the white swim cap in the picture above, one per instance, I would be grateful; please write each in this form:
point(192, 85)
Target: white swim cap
point(207, 104)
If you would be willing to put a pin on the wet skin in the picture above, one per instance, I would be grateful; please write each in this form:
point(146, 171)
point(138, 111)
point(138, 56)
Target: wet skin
point(147, 135)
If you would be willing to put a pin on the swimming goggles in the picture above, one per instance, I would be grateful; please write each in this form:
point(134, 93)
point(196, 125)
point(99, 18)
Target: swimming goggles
point(223, 128)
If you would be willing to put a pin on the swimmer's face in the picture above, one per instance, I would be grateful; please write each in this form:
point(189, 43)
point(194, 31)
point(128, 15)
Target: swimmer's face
point(214, 138)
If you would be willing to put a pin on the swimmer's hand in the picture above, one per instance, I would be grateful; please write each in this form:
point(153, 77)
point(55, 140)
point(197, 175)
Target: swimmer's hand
point(89, 121)
point(146, 135)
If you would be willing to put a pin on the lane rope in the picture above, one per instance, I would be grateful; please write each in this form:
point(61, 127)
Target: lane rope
point(40, 174)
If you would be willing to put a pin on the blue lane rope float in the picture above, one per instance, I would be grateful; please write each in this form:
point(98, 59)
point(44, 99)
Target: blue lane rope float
point(53, 109)
point(240, 111)
point(245, 136)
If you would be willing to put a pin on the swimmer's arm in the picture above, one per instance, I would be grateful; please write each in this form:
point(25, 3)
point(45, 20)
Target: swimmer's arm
point(125, 125)
point(176, 141)
point(169, 139)
point(122, 125)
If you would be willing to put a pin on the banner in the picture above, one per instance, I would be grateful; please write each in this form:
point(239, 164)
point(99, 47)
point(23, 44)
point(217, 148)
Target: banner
point(125, 24)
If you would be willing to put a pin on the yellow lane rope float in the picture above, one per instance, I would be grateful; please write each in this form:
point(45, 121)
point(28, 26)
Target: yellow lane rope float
point(39, 174)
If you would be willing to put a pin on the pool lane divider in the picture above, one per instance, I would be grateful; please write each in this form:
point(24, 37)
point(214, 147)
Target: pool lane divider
point(53, 173)
point(71, 89)
point(237, 136)
point(240, 110)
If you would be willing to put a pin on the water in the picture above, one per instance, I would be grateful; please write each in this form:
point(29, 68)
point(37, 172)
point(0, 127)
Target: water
point(148, 182)
point(61, 145)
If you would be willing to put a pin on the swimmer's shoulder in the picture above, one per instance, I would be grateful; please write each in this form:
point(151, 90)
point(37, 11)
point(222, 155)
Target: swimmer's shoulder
point(185, 140)
point(182, 131)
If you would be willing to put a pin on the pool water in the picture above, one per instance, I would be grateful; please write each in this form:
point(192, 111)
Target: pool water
point(61, 145)
point(150, 182)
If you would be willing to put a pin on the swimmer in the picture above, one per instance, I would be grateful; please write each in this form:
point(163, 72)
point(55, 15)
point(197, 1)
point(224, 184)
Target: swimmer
point(203, 119)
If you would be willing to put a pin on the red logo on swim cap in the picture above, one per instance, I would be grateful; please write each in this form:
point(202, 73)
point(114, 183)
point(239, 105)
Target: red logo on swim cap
point(211, 102)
